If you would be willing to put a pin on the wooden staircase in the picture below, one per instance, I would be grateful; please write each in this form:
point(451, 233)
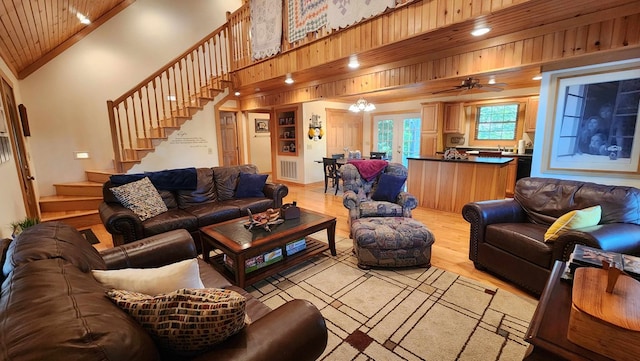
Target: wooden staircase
point(146, 143)
point(76, 203)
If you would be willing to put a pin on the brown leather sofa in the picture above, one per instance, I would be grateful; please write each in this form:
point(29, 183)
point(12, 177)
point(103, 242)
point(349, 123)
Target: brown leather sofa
point(507, 236)
point(212, 201)
point(52, 308)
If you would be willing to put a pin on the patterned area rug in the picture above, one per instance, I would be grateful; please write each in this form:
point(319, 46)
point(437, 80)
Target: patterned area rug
point(403, 314)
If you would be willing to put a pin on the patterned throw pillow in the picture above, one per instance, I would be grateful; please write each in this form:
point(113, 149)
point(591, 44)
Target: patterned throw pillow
point(186, 321)
point(141, 197)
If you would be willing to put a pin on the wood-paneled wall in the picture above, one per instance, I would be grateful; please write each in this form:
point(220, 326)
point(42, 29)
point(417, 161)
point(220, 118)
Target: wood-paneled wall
point(414, 51)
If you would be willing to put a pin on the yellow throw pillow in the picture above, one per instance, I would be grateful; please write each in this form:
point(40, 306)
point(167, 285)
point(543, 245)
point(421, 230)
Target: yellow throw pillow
point(579, 218)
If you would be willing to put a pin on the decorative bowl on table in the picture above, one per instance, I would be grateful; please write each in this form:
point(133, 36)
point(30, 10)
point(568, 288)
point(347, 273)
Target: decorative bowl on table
point(264, 220)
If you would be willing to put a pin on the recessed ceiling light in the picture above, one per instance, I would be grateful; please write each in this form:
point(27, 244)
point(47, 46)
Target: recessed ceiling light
point(83, 19)
point(288, 79)
point(237, 93)
point(492, 80)
point(480, 31)
point(537, 77)
point(353, 62)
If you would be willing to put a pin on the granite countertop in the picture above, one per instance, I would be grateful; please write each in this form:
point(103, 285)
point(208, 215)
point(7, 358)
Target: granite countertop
point(471, 159)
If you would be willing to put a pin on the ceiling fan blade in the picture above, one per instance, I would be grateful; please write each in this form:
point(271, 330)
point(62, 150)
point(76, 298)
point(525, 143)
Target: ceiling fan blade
point(456, 89)
point(490, 88)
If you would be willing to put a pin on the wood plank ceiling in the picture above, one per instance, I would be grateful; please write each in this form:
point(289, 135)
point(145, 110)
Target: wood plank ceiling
point(32, 32)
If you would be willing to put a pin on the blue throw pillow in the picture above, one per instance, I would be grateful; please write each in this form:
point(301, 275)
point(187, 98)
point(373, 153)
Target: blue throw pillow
point(250, 185)
point(389, 186)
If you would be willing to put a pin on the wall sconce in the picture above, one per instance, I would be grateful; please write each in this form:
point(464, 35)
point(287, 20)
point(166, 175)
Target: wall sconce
point(315, 128)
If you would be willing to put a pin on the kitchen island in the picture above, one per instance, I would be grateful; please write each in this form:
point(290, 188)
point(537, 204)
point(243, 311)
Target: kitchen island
point(449, 184)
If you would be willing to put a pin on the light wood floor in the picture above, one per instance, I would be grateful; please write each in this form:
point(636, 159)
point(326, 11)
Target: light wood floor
point(450, 250)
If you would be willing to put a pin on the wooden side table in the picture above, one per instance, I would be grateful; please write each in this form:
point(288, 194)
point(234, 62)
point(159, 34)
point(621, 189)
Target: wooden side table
point(547, 332)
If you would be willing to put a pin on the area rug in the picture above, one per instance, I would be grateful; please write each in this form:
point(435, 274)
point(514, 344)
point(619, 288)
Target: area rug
point(90, 236)
point(403, 314)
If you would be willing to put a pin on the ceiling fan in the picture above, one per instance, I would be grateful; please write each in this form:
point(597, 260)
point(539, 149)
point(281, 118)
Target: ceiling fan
point(473, 83)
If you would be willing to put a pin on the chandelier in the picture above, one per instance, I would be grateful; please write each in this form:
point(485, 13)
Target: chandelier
point(362, 105)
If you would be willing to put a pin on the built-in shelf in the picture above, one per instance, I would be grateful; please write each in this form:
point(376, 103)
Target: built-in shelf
point(287, 132)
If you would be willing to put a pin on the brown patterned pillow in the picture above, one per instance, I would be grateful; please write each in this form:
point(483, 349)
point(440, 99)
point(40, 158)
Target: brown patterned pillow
point(187, 320)
point(141, 197)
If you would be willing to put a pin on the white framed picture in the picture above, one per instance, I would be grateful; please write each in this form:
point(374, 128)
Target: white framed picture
point(595, 121)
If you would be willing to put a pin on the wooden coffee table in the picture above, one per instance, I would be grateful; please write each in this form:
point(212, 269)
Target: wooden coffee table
point(240, 244)
point(547, 332)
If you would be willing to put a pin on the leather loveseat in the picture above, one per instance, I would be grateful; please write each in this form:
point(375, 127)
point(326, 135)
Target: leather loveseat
point(212, 200)
point(507, 236)
point(52, 308)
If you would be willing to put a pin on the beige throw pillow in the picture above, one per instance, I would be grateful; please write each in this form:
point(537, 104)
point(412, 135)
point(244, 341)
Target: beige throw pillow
point(153, 281)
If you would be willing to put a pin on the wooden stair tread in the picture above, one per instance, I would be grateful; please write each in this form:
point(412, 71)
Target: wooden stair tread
point(63, 198)
point(79, 184)
point(49, 216)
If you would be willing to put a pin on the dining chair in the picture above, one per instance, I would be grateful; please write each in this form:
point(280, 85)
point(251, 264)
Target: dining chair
point(337, 156)
point(377, 155)
point(331, 171)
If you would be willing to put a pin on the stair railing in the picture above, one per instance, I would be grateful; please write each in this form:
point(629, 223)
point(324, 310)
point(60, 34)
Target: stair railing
point(161, 102)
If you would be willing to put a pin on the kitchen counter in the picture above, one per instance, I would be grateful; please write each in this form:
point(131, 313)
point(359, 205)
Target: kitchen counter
point(471, 159)
point(449, 184)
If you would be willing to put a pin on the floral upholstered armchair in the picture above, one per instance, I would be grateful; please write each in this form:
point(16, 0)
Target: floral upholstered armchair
point(381, 195)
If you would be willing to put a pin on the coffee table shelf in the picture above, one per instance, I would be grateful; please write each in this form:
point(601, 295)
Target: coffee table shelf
point(314, 248)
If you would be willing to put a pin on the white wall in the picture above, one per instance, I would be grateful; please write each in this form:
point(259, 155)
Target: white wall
point(544, 124)
point(12, 206)
point(315, 150)
point(66, 98)
point(259, 144)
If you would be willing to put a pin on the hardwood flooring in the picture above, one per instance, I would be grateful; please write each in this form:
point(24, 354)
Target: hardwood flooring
point(450, 250)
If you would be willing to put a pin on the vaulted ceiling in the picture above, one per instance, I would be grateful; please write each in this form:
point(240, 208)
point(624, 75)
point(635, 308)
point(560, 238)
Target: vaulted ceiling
point(32, 32)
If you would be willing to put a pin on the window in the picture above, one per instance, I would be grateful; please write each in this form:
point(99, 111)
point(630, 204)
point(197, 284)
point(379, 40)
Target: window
point(496, 124)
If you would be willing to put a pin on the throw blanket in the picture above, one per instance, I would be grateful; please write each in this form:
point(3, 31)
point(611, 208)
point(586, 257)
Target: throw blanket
point(266, 27)
point(172, 179)
point(369, 168)
point(342, 13)
point(306, 16)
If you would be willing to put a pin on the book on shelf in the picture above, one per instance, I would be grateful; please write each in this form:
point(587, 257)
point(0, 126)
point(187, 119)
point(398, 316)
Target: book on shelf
point(585, 256)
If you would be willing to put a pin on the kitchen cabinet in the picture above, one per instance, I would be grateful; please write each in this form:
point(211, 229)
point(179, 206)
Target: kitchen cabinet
point(431, 130)
point(287, 132)
point(531, 114)
point(453, 118)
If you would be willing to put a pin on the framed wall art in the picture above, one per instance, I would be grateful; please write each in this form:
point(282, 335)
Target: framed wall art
point(262, 125)
point(595, 118)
